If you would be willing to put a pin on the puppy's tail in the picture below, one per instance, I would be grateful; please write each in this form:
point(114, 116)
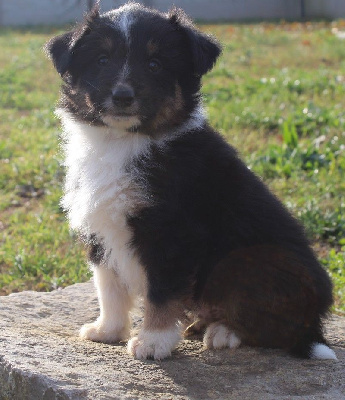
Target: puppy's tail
point(314, 346)
point(321, 351)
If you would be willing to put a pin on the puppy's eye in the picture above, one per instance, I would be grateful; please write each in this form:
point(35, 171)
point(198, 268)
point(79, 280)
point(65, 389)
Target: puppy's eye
point(155, 66)
point(102, 60)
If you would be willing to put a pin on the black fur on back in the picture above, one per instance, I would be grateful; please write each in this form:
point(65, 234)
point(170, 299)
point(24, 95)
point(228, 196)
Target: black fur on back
point(217, 234)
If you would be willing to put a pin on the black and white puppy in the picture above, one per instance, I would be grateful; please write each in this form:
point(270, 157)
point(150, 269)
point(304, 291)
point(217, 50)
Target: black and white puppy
point(169, 210)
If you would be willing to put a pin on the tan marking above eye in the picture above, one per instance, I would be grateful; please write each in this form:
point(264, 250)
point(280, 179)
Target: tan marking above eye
point(108, 44)
point(152, 47)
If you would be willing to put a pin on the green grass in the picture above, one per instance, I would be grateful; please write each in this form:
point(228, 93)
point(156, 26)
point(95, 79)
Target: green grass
point(277, 94)
point(37, 251)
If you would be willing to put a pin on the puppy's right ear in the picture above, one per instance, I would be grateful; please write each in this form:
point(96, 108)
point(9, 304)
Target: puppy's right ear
point(59, 50)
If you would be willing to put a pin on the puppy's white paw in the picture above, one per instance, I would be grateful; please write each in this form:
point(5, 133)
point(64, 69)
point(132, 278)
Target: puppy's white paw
point(154, 344)
point(101, 332)
point(218, 336)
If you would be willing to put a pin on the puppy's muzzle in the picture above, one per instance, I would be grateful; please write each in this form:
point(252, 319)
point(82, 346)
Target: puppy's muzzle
point(123, 96)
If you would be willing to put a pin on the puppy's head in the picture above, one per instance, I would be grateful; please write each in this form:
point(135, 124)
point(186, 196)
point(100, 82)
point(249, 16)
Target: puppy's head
point(133, 68)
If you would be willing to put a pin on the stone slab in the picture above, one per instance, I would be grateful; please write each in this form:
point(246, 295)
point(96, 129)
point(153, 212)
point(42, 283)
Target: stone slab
point(41, 357)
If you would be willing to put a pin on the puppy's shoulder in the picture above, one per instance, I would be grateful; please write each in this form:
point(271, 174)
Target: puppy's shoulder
point(202, 143)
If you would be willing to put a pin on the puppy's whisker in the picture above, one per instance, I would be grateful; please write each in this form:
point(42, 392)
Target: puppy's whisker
point(93, 86)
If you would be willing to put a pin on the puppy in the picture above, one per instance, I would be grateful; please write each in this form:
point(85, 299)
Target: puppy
point(169, 211)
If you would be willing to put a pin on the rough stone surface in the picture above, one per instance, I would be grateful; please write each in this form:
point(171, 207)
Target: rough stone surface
point(41, 357)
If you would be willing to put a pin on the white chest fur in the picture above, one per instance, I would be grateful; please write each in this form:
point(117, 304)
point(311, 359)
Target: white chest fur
point(99, 192)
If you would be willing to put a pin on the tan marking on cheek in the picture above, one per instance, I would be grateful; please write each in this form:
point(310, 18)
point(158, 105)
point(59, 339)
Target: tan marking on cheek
point(179, 103)
point(88, 101)
point(170, 110)
point(162, 317)
point(71, 101)
point(152, 47)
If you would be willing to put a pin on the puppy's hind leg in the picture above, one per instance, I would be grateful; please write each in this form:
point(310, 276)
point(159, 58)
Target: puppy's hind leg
point(113, 324)
point(218, 336)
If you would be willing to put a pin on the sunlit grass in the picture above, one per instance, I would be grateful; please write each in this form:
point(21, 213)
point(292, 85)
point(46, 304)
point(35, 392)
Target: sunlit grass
point(37, 251)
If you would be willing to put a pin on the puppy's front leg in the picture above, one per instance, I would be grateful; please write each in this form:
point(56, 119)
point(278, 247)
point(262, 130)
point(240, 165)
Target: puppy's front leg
point(113, 324)
point(160, 333)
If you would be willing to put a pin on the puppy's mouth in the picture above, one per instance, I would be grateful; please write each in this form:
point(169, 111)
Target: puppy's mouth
point(129, 122)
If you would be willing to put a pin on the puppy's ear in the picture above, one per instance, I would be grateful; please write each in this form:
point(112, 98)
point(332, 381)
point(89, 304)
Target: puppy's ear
point(205, 49)
point(60, 48)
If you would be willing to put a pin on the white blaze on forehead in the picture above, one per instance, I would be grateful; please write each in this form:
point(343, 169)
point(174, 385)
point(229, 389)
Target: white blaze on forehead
point(125, 21)
point(124, 72)
point(123, 17)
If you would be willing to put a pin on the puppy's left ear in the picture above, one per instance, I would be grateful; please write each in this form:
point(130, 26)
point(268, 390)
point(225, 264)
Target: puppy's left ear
point(205, 49)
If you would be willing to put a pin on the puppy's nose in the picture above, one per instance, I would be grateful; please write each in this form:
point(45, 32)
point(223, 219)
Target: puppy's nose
point(123, 96)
